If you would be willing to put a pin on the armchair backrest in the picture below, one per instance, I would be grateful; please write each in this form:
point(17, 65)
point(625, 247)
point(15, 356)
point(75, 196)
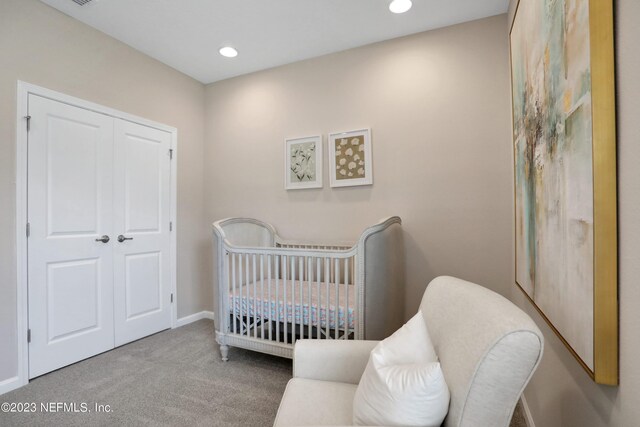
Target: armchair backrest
point(488, 350)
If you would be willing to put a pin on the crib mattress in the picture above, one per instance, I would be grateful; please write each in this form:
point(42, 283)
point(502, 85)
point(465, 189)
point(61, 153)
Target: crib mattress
point(318, 309)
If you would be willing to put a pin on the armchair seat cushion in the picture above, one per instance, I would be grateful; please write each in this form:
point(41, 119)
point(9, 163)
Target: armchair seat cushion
point(316, 403)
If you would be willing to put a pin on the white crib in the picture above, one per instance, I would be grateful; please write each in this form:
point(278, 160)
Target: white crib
point(271, 292)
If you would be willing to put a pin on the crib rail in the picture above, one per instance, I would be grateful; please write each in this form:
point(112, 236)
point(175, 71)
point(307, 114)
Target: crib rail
point(313, 246)
point(282, 294)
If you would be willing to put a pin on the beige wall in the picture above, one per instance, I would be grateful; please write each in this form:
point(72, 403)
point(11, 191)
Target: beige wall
point(561, 394)
point(438, 106)
point(42, 46)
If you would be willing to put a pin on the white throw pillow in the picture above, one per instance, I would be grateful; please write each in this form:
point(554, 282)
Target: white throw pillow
point(402, 384)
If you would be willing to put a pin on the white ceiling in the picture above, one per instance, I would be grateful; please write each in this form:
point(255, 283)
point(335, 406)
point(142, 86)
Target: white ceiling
point(186, 34)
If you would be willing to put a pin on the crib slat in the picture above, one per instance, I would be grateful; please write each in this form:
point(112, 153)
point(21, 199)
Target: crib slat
point(233, 281)
point(255, 298)
point(337, 305)
point(285, 302)
point(300, 281)
point(292, 284)
point(294, 310)
point(241, 303)
point(300, 306)
point(346, 298)
point(309, 277)
point(318, 296)
point(240, 294)
point(247, 326)
point(277, 262)
point(261, 296)
point(293, 299)
point(327, 261)
point(269, 293)
point(301, 275)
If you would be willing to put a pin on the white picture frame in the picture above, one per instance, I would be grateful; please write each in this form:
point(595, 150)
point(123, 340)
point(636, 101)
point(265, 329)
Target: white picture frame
point(303, 163)
point(350, 159)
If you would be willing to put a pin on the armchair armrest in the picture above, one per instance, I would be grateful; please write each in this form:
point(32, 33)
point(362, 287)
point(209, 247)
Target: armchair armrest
point(331, 360)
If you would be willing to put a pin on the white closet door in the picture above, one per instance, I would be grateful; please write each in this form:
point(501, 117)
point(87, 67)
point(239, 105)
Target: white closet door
point(142, 289)
point(70, 206)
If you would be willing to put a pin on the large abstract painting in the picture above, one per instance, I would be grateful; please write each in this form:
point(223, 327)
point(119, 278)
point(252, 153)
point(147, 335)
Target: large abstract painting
point(564, 148)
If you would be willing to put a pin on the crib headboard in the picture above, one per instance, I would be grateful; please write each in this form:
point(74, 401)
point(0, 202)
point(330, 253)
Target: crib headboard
point(382, 269)
point(245, 232)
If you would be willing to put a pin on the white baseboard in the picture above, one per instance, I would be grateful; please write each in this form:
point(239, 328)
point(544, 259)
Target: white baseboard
point(10, 384)
point(527, 412)
point(194, 318)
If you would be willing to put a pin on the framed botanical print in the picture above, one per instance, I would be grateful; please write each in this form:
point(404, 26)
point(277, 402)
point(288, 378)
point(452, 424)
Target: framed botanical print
point(303, 163)
point(350, 161)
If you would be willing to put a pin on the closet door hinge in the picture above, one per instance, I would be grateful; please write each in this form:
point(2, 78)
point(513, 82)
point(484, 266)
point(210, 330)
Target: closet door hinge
point(171, 153)
point(28, 229)
point(170, 225)
point(171, 298)
point(28, 122)
point(28, 335)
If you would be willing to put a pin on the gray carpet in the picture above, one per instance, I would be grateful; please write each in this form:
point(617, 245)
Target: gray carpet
point(174, 378)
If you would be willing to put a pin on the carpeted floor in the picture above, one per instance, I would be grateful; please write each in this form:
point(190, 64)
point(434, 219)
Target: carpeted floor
point(174, 378)
point(518, 419)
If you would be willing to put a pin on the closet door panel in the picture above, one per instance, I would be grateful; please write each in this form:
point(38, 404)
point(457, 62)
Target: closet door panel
point(70, 274)
point(142, 292)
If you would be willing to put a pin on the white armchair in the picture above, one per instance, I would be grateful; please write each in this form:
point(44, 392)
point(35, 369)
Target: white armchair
point(487, 347)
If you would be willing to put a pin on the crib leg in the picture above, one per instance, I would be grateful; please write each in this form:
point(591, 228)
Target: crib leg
point(224, 350)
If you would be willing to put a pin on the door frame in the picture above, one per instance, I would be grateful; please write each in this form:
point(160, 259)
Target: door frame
point(22, 309)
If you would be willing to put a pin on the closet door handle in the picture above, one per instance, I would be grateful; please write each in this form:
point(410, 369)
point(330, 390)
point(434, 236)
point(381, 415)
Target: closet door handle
point(103, 239)
point(121, 238)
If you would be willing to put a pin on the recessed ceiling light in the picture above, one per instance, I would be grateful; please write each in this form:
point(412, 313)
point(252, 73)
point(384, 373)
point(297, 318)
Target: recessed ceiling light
point(400, 6)
point(228, 51)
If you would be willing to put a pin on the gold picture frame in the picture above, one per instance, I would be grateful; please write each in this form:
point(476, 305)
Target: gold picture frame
point(563, 98)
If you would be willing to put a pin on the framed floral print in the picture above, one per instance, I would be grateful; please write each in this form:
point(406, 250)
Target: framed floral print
point(350, 161)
